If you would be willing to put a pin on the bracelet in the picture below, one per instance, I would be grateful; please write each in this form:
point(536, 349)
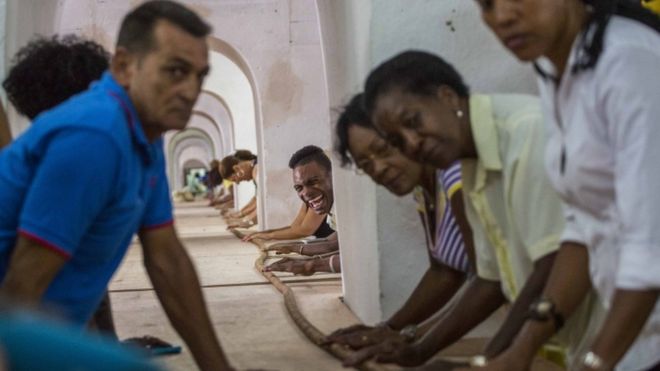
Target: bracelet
point(332, 267)
point(409, 333)
point(543, 309)
point(478, 361)
point(593, 361)
point(301, 249)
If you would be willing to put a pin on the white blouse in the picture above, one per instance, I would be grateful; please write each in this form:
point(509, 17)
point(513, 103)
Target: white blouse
point(603, 157)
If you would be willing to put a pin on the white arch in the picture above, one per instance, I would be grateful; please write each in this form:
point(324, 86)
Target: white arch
point(184, 145)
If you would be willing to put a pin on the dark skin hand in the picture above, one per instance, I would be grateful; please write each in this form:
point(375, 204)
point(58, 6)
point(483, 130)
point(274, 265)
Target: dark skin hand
point(360, 336)
point(314, 247)
point(435, 289)
point(409, 355)
point(297, 267)
point(478, 301)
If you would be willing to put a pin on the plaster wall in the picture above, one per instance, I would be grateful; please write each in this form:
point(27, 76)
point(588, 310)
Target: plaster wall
point(278, 43)
point(228, 81)
point(3, 40)
point(346, 38)
point(24, 20)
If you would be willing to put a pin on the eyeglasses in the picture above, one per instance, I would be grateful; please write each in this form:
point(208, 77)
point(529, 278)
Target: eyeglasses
point(382, 151)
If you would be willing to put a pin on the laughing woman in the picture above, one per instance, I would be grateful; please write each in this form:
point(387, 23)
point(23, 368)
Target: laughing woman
point(600, 85)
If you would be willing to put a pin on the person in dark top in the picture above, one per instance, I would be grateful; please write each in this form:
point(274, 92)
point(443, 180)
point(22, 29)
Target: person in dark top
point(312, 180)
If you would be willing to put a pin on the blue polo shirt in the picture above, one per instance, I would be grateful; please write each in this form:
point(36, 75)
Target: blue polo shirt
point(81, 181)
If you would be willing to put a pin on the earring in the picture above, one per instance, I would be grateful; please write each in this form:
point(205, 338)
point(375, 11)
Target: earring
point(459, 114)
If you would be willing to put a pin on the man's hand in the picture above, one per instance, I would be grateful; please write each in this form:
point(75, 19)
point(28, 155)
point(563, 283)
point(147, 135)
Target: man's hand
point(239, 223)
point(297, 267)
point(394, 350)
point(252, 236)
point(287, 248)
point(360, 336)
point(230, 213)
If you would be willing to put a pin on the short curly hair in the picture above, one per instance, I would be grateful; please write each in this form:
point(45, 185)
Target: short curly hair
point(309, 154)
point(47, 71)
point(227, 166)
point(353, 113)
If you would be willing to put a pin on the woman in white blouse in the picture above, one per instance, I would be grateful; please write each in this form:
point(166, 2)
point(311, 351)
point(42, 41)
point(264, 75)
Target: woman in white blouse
point(599, 68)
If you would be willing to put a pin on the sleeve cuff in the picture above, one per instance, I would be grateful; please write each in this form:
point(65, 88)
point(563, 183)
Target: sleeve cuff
point(638, 267)
point(572, 234)
point(45, 243)
point(546, 246)
point(151, 227)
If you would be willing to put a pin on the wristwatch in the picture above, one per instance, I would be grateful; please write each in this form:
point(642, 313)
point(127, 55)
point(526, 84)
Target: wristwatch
point(478, 361)
point(409, 333)
point(593, 361)
point(543, 309)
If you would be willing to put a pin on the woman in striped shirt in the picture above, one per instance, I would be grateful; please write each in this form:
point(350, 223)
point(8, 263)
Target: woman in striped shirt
point(360, 144)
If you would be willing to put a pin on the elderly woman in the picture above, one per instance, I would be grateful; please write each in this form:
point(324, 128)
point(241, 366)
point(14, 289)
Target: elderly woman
point(598, 74)
point(438, 195)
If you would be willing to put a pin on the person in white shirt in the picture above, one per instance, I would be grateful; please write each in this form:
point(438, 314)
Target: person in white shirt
point(598, 62)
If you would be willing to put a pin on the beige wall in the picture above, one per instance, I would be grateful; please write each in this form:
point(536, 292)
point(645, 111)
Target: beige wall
point(277, 42)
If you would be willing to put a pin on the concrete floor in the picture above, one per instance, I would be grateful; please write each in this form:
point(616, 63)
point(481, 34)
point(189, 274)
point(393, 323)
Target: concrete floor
point(247, 312)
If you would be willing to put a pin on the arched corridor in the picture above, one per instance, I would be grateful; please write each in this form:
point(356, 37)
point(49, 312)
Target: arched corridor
point(432, 184)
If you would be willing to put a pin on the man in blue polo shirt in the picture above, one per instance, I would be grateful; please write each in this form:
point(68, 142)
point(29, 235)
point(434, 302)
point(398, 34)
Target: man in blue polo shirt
point(90, 173)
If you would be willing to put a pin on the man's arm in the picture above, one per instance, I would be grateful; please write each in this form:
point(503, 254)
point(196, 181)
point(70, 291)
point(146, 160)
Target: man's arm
point(322, 247)
point(176, 283)
point(518, 313)
point(32, 268)
point(305, 224)
point(307, 267)
point(309, 223)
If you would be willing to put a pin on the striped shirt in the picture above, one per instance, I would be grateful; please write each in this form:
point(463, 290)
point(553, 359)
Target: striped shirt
point(446, 245)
